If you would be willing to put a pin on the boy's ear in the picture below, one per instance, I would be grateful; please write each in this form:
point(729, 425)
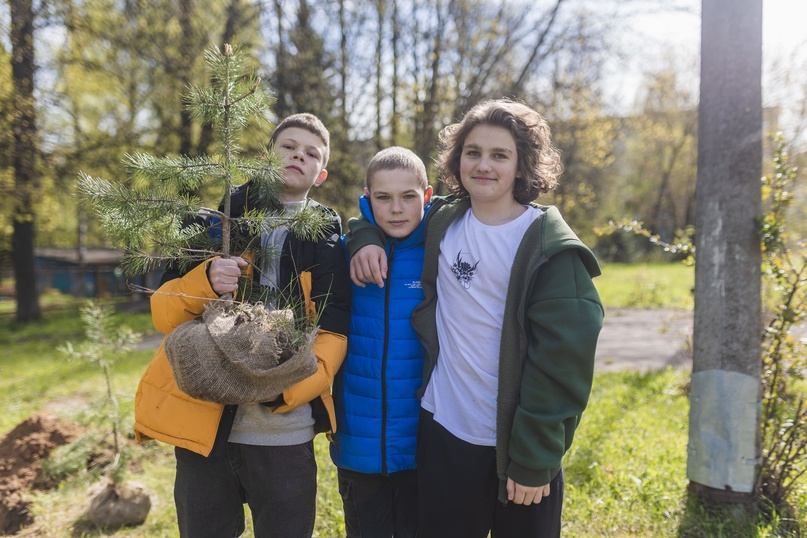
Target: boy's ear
point(321, 178)
point(366, 192)
point(427, 195)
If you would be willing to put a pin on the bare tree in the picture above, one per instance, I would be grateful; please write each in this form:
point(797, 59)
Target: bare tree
point(396, 40)
point(343, 66)
point(426, 102)
point(667, 149)
point(381, 12)
point(188, 50)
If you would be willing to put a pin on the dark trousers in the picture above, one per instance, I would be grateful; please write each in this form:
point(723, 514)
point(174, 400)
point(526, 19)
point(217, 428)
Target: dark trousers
point(279, 483)
point(458, 490)
point(378, 506)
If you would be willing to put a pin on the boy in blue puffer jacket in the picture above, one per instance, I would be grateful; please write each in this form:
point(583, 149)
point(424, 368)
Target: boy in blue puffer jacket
point(374, 392)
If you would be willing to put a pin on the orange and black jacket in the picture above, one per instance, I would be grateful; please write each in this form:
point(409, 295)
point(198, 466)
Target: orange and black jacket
point(313, 270)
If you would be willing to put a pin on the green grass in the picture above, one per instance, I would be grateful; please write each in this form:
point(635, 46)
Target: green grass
point(626, 473)
point(38, 378)
point(659, 285)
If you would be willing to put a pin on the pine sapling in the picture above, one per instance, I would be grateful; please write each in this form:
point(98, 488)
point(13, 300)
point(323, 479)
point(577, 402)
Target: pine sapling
point(156, 220)
point(104, 343)
point(113, 500)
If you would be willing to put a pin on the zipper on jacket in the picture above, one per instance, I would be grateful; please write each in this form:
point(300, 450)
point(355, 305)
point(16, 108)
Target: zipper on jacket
point(387, 288)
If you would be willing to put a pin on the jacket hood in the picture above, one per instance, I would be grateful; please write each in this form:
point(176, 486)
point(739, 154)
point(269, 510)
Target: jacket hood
point(556, 235)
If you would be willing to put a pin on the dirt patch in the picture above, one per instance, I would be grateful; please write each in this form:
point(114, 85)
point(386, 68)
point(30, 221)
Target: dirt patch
point(21, 453)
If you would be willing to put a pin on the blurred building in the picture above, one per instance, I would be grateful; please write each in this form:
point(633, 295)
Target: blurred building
point(98, 274)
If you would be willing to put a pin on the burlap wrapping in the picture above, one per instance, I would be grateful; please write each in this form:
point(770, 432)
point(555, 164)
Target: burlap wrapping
point(238, 354)
point(115, 505)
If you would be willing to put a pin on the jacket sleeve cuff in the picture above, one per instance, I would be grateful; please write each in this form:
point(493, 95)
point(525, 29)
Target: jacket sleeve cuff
point(530, 477)
point(362, 233)
point(330, 349)
point(181, 299)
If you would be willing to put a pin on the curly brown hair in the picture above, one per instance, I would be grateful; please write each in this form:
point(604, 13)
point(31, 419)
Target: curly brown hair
point(539, 165)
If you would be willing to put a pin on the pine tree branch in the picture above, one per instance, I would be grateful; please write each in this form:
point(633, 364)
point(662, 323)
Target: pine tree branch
point(153, 220)
point(185, 173)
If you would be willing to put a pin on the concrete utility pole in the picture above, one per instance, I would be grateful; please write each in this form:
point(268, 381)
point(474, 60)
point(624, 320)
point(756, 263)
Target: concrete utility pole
point(724, 453)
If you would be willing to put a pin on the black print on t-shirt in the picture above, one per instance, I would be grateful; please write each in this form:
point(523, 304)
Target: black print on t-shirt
point(464, 271)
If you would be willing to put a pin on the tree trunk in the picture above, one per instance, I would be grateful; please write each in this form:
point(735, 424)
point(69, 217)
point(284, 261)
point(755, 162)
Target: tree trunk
point(548, 22)
point(25, 151)
point(80, 288)
point(656, 220)
point(344, 59)
point(281, 107)
point(426, 134)
point(379, 75)
point(724, 452)
point(396, 38)
point(184, 66)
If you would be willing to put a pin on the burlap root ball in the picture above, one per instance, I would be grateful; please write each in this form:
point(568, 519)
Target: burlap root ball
point(115, 505)
point(238, 354)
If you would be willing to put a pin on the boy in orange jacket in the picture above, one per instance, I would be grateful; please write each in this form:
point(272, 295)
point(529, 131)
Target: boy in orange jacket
point(262, 453)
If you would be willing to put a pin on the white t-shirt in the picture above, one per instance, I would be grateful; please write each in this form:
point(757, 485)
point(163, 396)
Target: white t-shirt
point(472, 279)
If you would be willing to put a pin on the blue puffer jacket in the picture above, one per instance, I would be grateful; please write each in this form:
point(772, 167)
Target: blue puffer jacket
point(374, 391)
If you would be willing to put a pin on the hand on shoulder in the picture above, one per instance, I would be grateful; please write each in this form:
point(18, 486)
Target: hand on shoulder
point(369, 265)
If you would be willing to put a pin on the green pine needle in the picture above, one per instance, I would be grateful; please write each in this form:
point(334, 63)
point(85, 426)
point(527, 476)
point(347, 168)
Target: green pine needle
point(148, 215)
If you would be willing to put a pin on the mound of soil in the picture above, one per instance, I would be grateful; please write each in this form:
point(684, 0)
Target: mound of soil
point(21, 453)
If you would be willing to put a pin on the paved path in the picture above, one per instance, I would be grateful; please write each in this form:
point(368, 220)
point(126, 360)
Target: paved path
point(644, 340)
point(630, 340)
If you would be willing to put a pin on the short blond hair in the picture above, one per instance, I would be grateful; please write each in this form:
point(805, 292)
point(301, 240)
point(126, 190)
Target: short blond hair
point(397, 158)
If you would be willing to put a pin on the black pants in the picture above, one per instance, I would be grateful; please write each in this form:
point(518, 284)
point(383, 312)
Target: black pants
point(458, 490)
point(378, 506)
point(278, 482)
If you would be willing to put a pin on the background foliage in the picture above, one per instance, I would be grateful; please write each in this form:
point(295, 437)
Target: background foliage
point(110, 78)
